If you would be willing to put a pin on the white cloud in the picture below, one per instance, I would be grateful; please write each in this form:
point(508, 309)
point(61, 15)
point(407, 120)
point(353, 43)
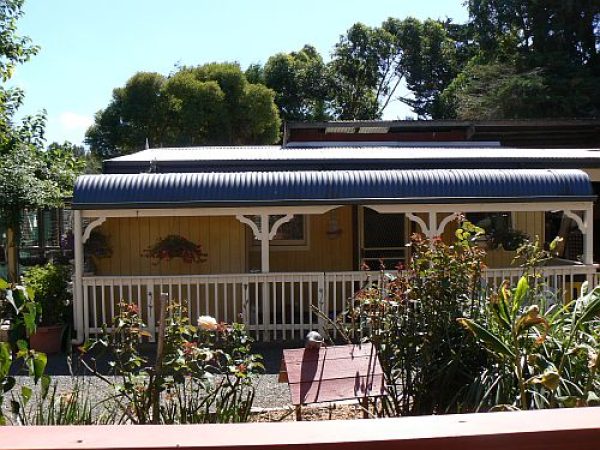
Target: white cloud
point(70, 121)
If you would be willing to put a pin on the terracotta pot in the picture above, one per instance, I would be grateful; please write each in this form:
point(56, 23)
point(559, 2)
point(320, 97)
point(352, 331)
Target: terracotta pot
point(47, 339)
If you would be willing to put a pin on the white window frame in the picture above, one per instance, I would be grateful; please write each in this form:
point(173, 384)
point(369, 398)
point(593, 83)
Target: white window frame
point(286, 244)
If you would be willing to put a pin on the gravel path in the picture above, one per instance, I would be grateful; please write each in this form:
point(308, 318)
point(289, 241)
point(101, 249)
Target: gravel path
point(269, 392)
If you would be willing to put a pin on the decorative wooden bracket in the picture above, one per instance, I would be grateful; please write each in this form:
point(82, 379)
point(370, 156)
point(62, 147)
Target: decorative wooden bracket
point(88, 230)
point(258, 231)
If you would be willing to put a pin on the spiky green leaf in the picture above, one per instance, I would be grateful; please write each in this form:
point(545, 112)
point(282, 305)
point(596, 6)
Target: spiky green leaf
point(591, 306)
point(26, 394)
point(520, 293)
point(492, 343)
point(39, 365)
point(5, 359)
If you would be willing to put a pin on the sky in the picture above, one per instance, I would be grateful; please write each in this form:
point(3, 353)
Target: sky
point(88, 47)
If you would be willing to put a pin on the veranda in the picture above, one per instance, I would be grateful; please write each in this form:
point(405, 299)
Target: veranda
point(281, 243)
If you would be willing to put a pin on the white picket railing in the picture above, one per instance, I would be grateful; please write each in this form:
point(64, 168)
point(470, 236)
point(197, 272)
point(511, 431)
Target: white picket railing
point(274, 306)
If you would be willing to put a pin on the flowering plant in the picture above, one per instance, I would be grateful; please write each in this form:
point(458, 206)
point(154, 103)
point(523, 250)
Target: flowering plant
point(175, 246)
point(203, 374)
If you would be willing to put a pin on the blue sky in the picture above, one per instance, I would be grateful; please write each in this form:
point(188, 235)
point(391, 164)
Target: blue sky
point(90, 47)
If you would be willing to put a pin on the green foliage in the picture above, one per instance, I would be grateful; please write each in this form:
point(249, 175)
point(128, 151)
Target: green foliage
point(19, 306)
point(24, 183)
point(364, 69)
point(14, 50)
point(531, 59)
point(212, 104)
point(29, 177)
point(539, 29)
point(545, 353)
point(51, 285)
point(204, 374)
point(71, 160)
point(49, 406)
point(411, 319)
point(529, 352)
point(500, 91)
point(434, 54)
point(300, 82)
point(512, 59)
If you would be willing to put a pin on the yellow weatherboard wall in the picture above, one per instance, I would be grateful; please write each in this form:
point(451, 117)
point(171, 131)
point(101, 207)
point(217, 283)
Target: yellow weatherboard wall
point(321, 254)
point(229, 245)
point(223, 238)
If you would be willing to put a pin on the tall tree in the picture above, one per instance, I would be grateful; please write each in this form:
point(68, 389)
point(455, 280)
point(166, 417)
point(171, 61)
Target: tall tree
point(534, 59)
point(200, 105)
point(434, 52)
point(365, 72)
point(300, 82)
point(29, 176)
point(369, 65)
point(541, 30)
point(14, 50)
point(198, 110)
point(137, 111)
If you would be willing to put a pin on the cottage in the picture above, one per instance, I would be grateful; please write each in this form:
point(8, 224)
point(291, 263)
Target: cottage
point(272, 230)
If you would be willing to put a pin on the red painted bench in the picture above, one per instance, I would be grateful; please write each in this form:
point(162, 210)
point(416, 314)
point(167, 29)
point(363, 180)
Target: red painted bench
point(343, 372)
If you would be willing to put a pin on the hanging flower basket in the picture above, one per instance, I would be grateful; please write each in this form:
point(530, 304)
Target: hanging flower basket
point(175, 246)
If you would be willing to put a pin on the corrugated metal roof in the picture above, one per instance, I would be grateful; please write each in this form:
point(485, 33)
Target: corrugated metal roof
point(465, 155)
point(333, 187)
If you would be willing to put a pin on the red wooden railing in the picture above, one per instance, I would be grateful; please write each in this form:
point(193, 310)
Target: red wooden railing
point(576, 429)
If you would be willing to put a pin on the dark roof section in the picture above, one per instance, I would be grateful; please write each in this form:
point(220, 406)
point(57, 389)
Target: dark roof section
point(582, 133)
point(230, 189)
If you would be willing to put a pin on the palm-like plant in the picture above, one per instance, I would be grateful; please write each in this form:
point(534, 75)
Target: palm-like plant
point(545, 355)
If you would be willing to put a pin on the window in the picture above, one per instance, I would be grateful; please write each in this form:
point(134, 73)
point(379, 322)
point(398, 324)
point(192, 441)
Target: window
point(383, 238)
point(41, 233)
point(292, 233)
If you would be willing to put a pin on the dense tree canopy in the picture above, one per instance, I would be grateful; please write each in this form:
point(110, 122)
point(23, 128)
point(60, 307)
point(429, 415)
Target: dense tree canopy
point(532, 59)
point(365, 71)
point(210, 104)
point(300, 81)
point(512, 59)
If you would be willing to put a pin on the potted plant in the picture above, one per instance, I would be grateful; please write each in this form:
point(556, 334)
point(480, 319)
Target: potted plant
point(512, 239)
point(175, 246)
point(51, 284)
point(96, 247)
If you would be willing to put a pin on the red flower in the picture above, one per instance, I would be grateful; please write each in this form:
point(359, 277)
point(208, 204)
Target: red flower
point(189, 347)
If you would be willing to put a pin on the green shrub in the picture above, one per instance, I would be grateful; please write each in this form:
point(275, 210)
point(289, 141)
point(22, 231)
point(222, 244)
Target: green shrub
point(426, 356)
point(53, 297)
point(544, 354)
point(202, 374)
point(22, 310)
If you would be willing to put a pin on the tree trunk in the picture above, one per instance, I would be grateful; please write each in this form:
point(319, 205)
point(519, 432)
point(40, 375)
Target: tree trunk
point(12, 255)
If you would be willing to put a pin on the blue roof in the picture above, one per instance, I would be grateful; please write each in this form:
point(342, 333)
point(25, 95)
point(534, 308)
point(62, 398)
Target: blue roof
point(172, 190)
